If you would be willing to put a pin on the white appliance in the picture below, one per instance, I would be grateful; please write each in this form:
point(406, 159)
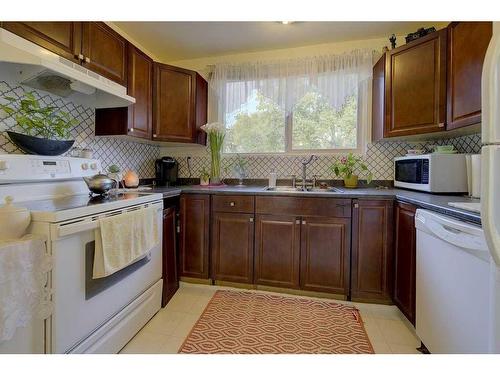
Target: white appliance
point(42, 69)
point(434, 173)
point(90, 316)
point(457, 283)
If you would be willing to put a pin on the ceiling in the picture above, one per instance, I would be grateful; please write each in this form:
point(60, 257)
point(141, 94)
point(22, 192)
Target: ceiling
point(172, 41)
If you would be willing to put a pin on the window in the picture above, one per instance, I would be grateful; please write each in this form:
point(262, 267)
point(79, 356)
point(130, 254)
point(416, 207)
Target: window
point(296, 105)
point(261, 126)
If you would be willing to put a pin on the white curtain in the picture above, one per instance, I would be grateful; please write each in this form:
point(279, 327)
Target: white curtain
point(285, 82)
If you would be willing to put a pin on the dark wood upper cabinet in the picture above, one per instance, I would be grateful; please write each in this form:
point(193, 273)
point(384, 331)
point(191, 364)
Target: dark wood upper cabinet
point(467, 45)
point(372, 251)
point(180, 104)
point(378, 99)
point(325, 250)
point(277, 251)
point(415, 86)
point(232, 247)
point(169, 255)
point(194, 235)
point(105, 51)
point(62, 38)
point(134, 120)
point(404, 259)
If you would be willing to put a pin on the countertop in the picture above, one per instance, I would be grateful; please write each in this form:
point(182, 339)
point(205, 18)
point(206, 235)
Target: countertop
point(433, 202)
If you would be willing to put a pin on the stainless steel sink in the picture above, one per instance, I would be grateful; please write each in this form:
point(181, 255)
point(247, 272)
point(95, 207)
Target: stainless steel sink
point(299, 189)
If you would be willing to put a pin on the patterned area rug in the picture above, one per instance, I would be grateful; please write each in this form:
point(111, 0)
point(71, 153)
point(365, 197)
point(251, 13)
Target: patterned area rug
point(257, 323)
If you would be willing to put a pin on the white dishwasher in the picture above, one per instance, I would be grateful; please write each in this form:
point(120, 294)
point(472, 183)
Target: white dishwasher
point(457, 286)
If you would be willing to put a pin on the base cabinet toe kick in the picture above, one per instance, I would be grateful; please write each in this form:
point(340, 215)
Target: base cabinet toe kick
point(326, 246)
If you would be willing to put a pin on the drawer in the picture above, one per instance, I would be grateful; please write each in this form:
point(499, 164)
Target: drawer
point(303, 206)
point(233, 203)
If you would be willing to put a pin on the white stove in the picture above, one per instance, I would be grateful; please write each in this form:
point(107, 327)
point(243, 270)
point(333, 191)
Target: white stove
point(90, 315)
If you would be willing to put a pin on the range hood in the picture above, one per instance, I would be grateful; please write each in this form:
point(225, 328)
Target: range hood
point(41, 69)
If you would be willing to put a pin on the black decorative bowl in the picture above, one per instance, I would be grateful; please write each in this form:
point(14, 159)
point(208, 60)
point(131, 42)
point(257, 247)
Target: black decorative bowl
point(39, 146)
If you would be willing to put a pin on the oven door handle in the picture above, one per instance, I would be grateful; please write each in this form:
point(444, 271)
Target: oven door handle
point(66, 230)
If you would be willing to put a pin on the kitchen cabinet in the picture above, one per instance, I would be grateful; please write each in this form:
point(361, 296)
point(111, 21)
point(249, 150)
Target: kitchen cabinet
point(169, 251)
point(277, 250)
point(180, 105)
point(94, 45)
point(404, 259)
point(467, 45)
point(378, 99)
point(372, 251)
point(134, 120)
point(104, 51)
point(415, 86)
point(194, 235)
point(232, 247)
point(62, 38)
point(325, 250)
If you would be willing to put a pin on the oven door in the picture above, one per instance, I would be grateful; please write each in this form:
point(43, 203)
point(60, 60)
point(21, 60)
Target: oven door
point(82, 304)
point(412, 173)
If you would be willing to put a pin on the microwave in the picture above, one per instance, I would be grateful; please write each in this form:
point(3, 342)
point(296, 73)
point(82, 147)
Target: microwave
point(434, 173)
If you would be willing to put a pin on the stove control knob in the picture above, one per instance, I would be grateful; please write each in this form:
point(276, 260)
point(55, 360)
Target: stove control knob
point(93, 166)
point(4, 165)
point(85, 166)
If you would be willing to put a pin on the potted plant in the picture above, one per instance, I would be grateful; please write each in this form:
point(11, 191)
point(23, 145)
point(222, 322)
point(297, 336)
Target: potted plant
point(45, 129)
point(216, 135)
point(204, 177)
point(346, 167)
point(240, 169)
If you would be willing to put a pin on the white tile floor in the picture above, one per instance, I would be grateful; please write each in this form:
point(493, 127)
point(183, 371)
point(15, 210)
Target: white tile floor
point(388, 330)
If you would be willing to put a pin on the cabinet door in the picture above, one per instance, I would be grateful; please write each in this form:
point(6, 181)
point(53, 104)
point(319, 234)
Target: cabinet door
point(467, 45)
point(378, 99)
point(174, 117)
point(277, 251)
point(140, 86)
point(170, 278)
point(62, 38)
point(404, 258)
point(194, 236)
point(372, 251)
point(415, 85)
point(232, 247)
point(105, 51)
point(324, 260)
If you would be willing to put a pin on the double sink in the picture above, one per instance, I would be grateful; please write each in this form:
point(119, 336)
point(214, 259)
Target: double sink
point(287, 189)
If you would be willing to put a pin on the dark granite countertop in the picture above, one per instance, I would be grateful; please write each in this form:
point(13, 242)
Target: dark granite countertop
point(433, 202)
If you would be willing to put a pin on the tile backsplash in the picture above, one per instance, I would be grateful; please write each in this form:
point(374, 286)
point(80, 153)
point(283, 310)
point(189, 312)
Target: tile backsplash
point(379, 158)
point(124, 153)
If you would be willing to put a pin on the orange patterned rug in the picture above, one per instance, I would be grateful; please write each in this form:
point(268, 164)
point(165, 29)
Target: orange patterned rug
point(241, 322)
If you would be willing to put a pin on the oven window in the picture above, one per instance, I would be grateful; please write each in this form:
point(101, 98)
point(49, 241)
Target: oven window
point(95, 286)
point(409, 171)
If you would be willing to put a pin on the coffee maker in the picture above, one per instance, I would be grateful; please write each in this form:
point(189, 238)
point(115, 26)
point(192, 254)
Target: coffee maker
point(166, 171)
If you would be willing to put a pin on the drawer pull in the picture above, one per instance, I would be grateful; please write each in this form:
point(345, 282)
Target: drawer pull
point(297, 222)
point(304, 222)
point(232, 204)
point(251, 219)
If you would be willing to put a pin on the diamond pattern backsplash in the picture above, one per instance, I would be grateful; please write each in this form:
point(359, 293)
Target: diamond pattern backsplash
point(124, 153)
point(379, 158)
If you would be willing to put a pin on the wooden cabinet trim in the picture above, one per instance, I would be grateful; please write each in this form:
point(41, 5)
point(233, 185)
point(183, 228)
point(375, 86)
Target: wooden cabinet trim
point(233, 203)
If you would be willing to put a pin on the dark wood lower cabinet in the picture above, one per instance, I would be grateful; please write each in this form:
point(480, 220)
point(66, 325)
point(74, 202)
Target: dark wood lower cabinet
point(404, 259)
point(169, 274)
point(372, 251)
point(194, 235)
point(232, 247)
point(277, 250)
point(325, 249)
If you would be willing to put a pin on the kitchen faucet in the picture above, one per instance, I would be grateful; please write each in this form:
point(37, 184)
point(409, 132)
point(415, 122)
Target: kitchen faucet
point(305, 163)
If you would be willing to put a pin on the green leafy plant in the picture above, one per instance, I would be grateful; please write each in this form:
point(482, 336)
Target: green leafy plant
point(346, 166)
point(114, 169)
point(46, 122)
point(204, 174)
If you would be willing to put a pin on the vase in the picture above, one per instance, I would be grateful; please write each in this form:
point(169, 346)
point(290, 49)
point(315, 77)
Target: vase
point(351, 182)
point(215, 166)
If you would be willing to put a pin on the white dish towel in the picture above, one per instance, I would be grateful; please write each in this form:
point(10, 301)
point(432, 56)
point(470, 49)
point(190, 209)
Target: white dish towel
point(124, 239)
point(24, 265)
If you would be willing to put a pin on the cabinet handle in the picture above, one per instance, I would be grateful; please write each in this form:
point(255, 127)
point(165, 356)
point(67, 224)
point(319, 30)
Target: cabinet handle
point(178, 229)
point(131, 130)
point(251, 219)
point(356, 205)
point(154, 135)
point(80, 57)
point(304, 222)
point(297, 222)
point(231, 204)
point(87, 60)
point(441, 125)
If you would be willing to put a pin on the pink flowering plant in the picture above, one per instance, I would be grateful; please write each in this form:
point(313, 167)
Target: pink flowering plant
point(347, 165)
